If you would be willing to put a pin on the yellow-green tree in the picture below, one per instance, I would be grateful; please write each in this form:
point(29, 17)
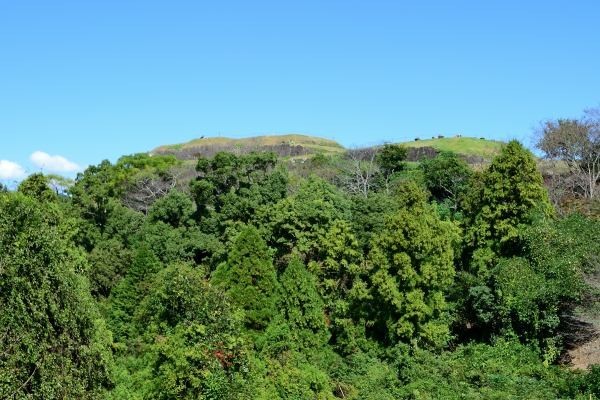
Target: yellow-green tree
point(510, 194)
point(410, 268)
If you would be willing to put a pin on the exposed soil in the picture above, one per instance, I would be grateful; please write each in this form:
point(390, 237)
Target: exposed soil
point(585, 355)
point(584, 343)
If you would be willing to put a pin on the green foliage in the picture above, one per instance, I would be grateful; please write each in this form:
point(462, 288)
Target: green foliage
point(293, 376)
point(585, 385)
point(175, 209)
point(123, 224)
point(128, 293)
point(37, 186)
point(193, 336)
point(236, 185)
point(366, 377)
point(99, 185)
point(529, 295)
point(299, 221)
point(411, 268)
point(249, 278)
point(156, 163)
point(108, 262)
point(302, 305)
point(369, 215)
point(447, 178)
point(339, 268)
point(391, 158)
point(54, 344)
point(524, 306)
point(171, 244)
point(93, 190)
point(508, 196)
point(338, 262)
point(260, 283)
point(478, 371)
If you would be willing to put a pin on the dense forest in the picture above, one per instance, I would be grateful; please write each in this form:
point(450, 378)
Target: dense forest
point(358, 275)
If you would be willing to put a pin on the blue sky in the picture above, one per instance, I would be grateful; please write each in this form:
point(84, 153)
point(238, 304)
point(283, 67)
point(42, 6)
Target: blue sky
point(89, 80)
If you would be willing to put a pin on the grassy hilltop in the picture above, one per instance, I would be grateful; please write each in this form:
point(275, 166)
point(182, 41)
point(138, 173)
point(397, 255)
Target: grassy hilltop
point(284, 145)
point(466, 146)
point(294, 145)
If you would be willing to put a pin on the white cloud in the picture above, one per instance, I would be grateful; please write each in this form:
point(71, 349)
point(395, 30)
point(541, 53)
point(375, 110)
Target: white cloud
point(11, 170)
point(53, 163)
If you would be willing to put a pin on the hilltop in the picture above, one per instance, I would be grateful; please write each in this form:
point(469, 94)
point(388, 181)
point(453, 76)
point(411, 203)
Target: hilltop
point(475, 150)
point(284, 145)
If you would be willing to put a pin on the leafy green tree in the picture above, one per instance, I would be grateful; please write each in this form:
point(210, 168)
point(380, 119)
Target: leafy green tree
point(188, 244)
point(54, 344)
point(529, 296)
point(447, 178)
point(509, 196)
point(192, 334)
point(175, 209)
point(339, 267)
point(123, 224)
point(410, 269)
point(369, 215)
point(94, 189)
point(108, 261)
point(250, 279)
point(503, 202)
point(235, 186)
point(130, 291)
point(338, 261)
point(299, 221)
point(391, 158)
point(585, 385)
point(38, 187)
point(302, 305)
point(99, 185)
point(292, 375)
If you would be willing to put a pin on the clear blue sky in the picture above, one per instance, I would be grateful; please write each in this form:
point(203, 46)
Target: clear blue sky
point(90, 80)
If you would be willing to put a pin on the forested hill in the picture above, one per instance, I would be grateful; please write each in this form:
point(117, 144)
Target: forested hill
point(473, 150)
point(349, 274)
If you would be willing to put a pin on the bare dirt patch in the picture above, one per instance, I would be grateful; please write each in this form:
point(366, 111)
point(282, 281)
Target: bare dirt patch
point(583, 345)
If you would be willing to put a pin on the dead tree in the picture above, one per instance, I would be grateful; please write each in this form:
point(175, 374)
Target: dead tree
point(360, 170)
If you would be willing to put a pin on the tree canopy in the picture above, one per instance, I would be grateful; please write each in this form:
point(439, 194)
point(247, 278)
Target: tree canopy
point(242, 275)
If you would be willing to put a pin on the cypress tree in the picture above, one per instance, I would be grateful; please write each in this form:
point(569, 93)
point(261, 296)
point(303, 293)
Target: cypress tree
point(249, 278)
